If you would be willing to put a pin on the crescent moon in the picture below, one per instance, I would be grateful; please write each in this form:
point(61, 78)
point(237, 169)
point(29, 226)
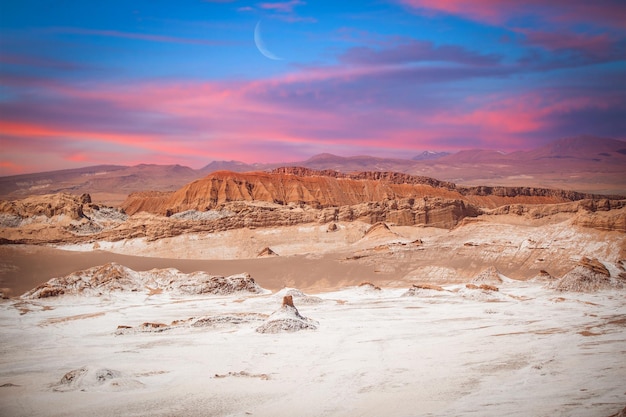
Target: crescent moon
point(260, 45)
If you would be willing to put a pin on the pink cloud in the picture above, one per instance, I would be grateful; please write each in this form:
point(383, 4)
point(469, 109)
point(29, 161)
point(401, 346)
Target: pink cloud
point(283, 118)
point(554, 41)
point(602, 12)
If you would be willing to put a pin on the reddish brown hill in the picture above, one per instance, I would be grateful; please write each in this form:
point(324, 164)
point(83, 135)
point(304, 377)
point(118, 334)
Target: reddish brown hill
point(321, 189)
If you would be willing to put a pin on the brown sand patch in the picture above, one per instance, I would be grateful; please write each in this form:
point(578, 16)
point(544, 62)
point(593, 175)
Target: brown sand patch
point(554, 330)
point(23, 307)
point(154, 291)
point(588, 333)
point(244, 374)
point(72, 318)
point(619, 321)
point(38, 264)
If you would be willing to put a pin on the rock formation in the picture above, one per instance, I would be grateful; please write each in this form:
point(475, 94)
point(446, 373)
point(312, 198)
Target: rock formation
point(91, 378)
point(48, 206)
point(266, 252)
point(484, 287)
point(422, 289)
point(321, 189)
point(488, 276)
point(112, 277)
point(589, 275)
point(368, 286)
point(290, 196)
point(301, 297)
point(543, 276)
point(287, 319)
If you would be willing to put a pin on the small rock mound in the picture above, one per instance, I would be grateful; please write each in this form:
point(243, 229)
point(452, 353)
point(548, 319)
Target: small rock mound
point(423, 289)
point(287, 319)
point(488, 276)
point(369, 286)
point(267, 251)
point(589, 275)
point(5, 293)
point(228, 320)
point(379, 229)
point(301, 297)
point(484, 287)
point(483, 292)
point(542, 276)
point(89, 378)
point(110, 278)
point(332, 227)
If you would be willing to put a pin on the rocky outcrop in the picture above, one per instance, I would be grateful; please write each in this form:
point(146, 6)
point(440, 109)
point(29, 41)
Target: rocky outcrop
point(49, 205)
point(301, 297)
point(287, 319)
point(267, 251)
point(148, 201)
point(423, 289)
point(289, 196)
point(112, 277)
point(589, 275)
point(601, 214)
point(488, 276)
point(483, 287)
point(368, 286)
point(91, 378)
point(543, 276)
point(322, 189)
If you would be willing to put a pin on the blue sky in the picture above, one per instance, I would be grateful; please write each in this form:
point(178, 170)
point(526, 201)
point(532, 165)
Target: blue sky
point(84, 83)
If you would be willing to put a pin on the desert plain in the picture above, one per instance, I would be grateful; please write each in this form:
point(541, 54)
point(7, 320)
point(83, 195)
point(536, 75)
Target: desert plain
point(314, 293)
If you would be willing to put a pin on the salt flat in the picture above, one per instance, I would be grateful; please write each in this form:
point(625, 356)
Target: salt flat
point(522, 351)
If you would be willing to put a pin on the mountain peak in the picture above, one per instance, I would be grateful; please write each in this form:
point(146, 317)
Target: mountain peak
point(429, 155)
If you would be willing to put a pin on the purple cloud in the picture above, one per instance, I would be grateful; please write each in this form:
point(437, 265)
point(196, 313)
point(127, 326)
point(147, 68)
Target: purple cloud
point(413, 51)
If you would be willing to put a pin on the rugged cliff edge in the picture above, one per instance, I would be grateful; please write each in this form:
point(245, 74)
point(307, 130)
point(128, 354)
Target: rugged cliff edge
point(289, 196)
point(322, 189)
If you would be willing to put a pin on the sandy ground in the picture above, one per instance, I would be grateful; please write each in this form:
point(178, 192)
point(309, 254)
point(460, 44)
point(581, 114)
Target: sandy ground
point(24, 267)
point(524, 351)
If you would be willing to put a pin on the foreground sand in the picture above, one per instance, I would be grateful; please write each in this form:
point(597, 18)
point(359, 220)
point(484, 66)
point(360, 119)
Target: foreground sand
point(523, 351)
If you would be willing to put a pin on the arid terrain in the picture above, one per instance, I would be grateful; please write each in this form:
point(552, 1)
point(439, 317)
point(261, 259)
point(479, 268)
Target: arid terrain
point(583, 164)
point(312, 291)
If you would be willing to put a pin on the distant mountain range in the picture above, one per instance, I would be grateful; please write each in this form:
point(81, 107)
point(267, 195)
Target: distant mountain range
point(428, 155)
point(586, 164)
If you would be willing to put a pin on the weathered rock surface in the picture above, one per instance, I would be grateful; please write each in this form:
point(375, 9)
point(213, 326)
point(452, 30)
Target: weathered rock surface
point(589, 275)
point(113, 277)
point(423, 289)
point(287, 319)
point(267, 252)
point(48, 206)
point(290, 196)
point(91, 378)
point(321, 189)
point(543, 276)
point(300, 296)
point(488, 276)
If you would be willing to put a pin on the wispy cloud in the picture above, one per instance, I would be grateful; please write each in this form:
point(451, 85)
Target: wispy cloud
point(282, 7)
point(601, 12)
point(410, 51)
point(137, 36)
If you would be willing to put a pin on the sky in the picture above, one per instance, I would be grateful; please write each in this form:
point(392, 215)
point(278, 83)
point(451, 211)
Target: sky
point(188, 82)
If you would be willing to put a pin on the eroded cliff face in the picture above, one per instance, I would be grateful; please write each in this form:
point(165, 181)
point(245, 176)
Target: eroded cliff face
point(323, 189)
point(290, 196)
